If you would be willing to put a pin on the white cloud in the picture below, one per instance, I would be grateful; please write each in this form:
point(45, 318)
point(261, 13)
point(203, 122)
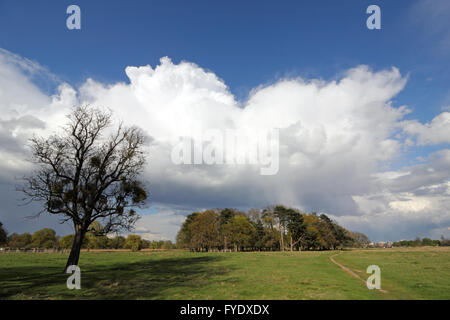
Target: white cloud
point(411, 205)
point(335, 137)
point(162, 225)
point(435, 132)
point(393, 216)
point(330, 132)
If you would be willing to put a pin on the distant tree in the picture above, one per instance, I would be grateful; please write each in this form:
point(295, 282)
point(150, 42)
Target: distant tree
point(444, 241)
point(133, 242)
point(254, 215)
point(154, 245)
point(259, 235)
point(19, 241)
point(66, 241)
point(296, 227)
point(424, 242)
point(417, 242)
point(167, 245)
point(204, 230)
point(360, 240)
point(276, 217)
point(281, 213)
point(44, 238)
point(145, 244)
point(3, 235)
point(116, 242)
point(97, 242)
point(340, 236)
point(225, 216)
point(95, 239)
point(271, 239)
point(318, 235)
point(268, 218)
point(265, 230)
point(240, 232)
point(184, 236)
point(272, 235)
point(427, 242)
point(84, 177)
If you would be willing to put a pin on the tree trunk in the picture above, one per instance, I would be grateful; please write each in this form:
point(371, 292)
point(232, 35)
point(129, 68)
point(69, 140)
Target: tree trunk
point(292, 245)
point(76, 247)
point(281, 239)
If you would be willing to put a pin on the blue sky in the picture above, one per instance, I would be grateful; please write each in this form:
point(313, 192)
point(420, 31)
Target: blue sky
point(247, 44)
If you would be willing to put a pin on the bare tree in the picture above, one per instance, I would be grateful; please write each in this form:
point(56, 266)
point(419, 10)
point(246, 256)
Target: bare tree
point(85, 177)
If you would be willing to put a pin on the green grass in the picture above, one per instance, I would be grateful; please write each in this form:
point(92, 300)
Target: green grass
point(421, 273)
point(406, 274)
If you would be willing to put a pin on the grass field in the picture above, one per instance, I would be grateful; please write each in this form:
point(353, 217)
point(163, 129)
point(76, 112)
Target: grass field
point(422, 273)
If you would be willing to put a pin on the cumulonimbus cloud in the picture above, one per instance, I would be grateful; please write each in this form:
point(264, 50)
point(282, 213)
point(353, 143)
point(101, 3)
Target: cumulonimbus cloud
point(336, 137)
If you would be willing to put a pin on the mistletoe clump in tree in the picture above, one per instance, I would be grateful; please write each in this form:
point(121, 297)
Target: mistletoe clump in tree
point(84, 176)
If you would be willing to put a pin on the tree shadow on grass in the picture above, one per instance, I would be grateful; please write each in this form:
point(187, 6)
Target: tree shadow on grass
point(166, 278)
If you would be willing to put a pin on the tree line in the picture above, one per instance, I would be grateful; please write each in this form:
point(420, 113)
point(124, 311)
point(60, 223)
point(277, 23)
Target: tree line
point(422, 242)
point(274, 228)
point(48, 239)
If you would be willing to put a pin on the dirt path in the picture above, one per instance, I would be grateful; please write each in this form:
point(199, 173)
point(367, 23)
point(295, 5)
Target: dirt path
point(349, 271)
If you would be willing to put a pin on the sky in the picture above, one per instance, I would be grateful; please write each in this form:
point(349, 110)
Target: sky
point(364, 115)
